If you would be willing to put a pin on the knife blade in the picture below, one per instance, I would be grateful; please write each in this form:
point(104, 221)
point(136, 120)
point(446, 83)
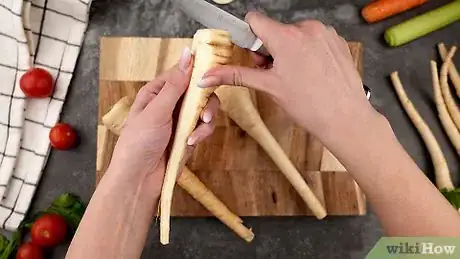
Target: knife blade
point(215, 18)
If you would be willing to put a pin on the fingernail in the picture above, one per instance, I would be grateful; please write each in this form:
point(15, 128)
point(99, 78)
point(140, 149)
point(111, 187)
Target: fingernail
point(206, 82)
point(207, 116)
point(191, 141)
point(185, 59)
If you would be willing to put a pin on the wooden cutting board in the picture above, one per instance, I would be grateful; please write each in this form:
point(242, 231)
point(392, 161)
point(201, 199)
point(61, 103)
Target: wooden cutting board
point(230, 163)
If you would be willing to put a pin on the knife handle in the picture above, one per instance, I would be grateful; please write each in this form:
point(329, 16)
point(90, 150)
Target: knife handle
point(263, 51)
point(367, 90)
point(258, 46)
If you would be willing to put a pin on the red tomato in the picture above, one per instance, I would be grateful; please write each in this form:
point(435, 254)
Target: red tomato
point(37, 83)
point(29, 251)
point(62, 136)
point(48, 230)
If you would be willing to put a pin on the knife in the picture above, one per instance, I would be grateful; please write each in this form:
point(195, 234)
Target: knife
point(215, 18)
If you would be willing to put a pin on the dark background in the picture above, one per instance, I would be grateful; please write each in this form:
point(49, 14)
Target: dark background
point(291, 237)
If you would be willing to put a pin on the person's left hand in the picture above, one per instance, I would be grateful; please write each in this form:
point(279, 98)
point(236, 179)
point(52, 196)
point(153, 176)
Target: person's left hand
point(142, 144)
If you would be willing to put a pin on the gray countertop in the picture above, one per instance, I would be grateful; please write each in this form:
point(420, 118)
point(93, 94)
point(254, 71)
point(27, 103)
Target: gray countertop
point(291, 237)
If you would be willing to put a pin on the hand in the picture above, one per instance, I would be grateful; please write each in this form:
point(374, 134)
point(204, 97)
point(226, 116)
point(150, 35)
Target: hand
point(312, 76)
point(147, 131)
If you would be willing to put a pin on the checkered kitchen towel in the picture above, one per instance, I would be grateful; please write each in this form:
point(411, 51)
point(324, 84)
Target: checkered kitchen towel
point(33, 33)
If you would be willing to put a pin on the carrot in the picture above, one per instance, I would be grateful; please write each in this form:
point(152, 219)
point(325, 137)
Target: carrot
point(448, 99)
point(382, 9)
point(211, 48)
point(423, 24)
point(453, 73)
point(441, 169)
point(189, 182)
point(236, 101)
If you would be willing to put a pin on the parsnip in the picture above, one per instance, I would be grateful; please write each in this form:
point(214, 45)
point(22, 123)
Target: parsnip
point(446, 121)
point(453, 73)
point(101, 146)
point(210, 48)
point(117, 116)
point(443, 179)
point(236, 101)
point(190, 183)
point(448, 99)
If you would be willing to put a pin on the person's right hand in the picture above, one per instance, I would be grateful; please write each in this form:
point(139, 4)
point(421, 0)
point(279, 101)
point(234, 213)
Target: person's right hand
point(312, 76)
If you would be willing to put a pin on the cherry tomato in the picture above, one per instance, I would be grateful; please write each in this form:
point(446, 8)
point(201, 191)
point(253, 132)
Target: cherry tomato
point(29, 251)
point(48, 230)
point(37, 83)
point(62, 136)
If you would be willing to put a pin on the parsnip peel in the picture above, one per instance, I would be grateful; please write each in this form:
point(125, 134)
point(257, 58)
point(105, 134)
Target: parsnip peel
point(446, 121)
point(453, 72)
point(448, 99)
point(443, 180)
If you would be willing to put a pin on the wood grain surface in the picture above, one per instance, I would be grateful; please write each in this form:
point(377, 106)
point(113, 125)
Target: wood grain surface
point(230, 163)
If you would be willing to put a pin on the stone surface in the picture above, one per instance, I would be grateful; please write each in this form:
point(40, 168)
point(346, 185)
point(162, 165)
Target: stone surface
point(335, 237)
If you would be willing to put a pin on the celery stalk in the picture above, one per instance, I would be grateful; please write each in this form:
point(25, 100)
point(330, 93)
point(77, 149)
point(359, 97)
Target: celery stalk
point(423, 24)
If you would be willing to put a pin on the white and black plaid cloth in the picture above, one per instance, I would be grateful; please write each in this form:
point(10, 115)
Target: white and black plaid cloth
point(33, 33)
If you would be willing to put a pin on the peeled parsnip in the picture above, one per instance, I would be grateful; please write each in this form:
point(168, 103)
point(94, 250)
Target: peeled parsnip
point(445, 181)
point(448, 99)
point(453, 73)
point(210, 48)
point(236, 101)
point(189, 182)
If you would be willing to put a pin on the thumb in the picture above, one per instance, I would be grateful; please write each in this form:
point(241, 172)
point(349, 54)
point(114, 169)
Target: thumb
point(267, 29)
point(175, 82)
point(238, 76)
point(167, 99)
